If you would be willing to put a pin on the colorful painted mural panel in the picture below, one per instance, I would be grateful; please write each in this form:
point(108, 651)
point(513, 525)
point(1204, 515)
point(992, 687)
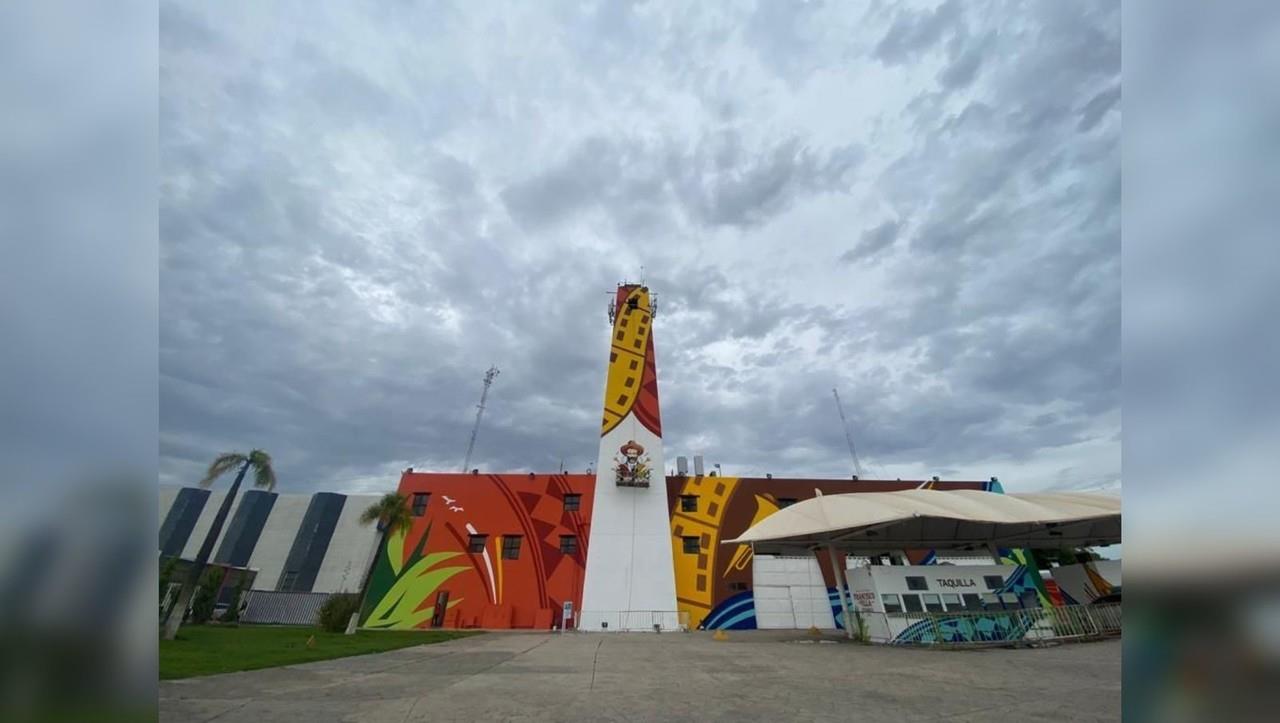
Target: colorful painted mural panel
point(489, 551)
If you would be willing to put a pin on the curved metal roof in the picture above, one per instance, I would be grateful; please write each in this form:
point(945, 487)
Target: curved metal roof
point(953, 519)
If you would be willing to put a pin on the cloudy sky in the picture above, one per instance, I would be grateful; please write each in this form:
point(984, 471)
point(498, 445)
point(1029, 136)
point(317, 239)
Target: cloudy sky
point(363, 206)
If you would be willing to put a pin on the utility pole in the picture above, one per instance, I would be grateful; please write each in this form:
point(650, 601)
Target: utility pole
point(857, 467)
point(471, 445)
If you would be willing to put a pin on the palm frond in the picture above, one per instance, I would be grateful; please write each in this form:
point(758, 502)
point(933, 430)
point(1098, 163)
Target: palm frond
point(391, 512)
point(264, 475)
point(221, 465)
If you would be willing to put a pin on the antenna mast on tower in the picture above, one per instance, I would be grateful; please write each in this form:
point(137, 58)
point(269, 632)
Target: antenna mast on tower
point(471, 445)
point(857, 467)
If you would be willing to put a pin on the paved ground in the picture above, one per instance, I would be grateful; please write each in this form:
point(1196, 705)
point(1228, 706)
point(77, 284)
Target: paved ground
point(754, 676)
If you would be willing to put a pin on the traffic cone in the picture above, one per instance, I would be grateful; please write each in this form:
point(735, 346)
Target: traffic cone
point(719, 635)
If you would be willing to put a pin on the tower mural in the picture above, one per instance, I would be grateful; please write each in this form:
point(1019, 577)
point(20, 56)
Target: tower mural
point(630, 583)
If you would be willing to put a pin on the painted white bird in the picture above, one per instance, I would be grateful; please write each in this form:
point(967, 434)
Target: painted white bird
point(455, 509)
point(448, 500)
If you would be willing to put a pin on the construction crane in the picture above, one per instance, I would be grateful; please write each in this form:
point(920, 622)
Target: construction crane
point(471, 445)
point(857, 466)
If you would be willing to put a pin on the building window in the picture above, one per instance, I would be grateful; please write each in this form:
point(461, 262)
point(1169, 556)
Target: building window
point(972, 602)
point(692, 545)
point(511, 547)
point(569, 544)
point(622, 399)
point(932, 603)
point(688, 503)
point(990, 601)
point(785, 502)
point(738, 587)
point(630, 382)
point(952, 602)
point(420, 503)
point(891, 604)
point(477, 543)
point(993, 582)
point(638, 343)
point(619, 335)
point(911, 602)
point(572, 502)
point(915, 582)
point(613, 356)
point(634, 365)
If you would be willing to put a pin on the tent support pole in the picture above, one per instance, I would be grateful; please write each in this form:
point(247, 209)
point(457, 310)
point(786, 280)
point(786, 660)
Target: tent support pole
point(841, 584)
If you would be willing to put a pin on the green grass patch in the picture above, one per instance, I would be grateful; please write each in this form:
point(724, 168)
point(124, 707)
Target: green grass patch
point(208, 649)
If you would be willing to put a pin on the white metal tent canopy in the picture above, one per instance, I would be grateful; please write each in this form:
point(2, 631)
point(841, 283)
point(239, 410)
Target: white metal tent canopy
point(870, 522)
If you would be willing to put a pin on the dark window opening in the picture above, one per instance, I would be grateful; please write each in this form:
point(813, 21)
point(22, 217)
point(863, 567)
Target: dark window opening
point(638, 343)
point(511, 547)
point(785, 502)
point(692, 545)
point(572, 502)
point(951, 602)
point(911, 602)
point(891, 604)
point(915, 582)
point(972, 602)
point(569, 544)
point(635, 365)
point(688, 503)
point(622, 322)
point(993, 582)
point(622, 399)
point(932, 603)
point(613, 356)
point(477, 543)
point(738, 587)
point(630, 382)
point(420, 503)
point(619, 335)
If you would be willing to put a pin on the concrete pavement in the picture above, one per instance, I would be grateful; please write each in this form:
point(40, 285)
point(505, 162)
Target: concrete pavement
point(753, 676)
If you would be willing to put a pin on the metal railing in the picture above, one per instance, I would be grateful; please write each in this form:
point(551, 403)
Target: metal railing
point(993, 627)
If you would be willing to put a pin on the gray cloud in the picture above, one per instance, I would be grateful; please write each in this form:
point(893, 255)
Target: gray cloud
point(362, 212)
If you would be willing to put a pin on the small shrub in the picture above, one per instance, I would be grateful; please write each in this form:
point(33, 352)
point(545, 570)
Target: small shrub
point(337, 610)
point(206, 597)
point(232, 615)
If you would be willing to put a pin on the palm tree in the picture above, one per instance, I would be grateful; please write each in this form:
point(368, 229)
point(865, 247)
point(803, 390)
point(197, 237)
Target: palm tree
point(391, 513)
point(263, 476)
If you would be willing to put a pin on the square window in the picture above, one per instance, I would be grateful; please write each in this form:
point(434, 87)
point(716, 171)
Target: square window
point(738, 587)
point(785, 502)
point(622, 322)
point(990, 601)
point(630, 382)
point(915, 582)
point(891, 604)
point(569, 544)
point(511, 547)
point(613, 356)
point(993, 582)
point(572, 502)
point(477, 543)
point(619, 335)
point(420, 503)
point(911, 602)
point(951, 602)
point(932, 603)
point(635, 364)
point(622, 399)
point(688, 503)
point(972, 602)
point(692, 545)
point(638, 343)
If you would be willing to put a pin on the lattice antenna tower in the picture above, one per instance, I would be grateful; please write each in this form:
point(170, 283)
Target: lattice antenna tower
point(475, 429)
point(857, 466)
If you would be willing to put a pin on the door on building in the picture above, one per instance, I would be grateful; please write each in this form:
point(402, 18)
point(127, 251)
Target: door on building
point(790, 594)
point(442, 605)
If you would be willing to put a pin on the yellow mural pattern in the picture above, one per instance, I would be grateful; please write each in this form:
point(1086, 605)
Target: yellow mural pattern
point(695, 586)
point(631, 328)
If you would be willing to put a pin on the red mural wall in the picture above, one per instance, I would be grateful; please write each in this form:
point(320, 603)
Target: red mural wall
point(508, 584)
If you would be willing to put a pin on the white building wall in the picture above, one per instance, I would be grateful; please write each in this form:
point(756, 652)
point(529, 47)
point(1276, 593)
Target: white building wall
point(350, 551)
point(273, 546)
point(790, 593)
point(630, 580)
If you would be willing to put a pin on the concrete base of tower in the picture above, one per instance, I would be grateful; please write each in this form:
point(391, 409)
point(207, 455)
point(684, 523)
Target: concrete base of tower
point(610, 621)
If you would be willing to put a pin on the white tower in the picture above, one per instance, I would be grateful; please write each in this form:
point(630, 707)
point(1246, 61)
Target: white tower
point(630, 579)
